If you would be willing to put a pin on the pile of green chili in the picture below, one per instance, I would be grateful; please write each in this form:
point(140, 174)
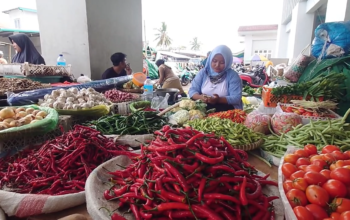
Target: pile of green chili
point(139, 122)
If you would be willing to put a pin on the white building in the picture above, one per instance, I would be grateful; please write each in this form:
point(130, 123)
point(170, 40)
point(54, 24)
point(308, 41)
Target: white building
point(258, 39)
point(299, 20)
point(23, 18)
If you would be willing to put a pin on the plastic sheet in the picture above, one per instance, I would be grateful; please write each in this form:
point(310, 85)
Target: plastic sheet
point(331, 40)
point(49, 123)
point(32, 97)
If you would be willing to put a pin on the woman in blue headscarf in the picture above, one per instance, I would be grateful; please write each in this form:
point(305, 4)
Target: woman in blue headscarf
point(217, 84)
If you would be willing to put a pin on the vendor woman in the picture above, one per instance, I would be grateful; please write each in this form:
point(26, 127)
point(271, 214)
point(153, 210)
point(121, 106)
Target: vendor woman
point(217, 84)
point(26, 51)
point(120, 67)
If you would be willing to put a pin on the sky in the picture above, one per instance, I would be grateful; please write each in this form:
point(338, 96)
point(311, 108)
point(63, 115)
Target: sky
point(213, 22)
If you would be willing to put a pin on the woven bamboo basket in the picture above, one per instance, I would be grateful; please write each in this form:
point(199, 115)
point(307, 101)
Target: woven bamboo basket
point(252, 146)
point(132, 90)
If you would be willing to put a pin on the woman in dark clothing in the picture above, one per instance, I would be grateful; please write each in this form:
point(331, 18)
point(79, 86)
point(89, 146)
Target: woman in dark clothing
point(26, 51)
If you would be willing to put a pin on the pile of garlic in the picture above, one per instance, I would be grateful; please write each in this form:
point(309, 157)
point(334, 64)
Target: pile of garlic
point(73, 99)
point(11, 117)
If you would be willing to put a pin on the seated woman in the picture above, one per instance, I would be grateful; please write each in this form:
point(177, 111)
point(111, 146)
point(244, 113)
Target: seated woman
point(26, 51)
point(217, 84)
point(120, 67)
point(167, 78)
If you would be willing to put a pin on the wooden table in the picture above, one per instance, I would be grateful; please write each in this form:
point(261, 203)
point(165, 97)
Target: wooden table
point(263, 167)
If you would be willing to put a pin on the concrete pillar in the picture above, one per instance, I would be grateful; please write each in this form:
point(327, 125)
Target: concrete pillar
point(301, 29)
point(248, 50)
point(282, 41)
point(338, 10)
point(88, 32)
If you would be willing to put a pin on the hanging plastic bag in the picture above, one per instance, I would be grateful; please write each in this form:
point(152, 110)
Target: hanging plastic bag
point(258, 122)
point(283, 122)
point(294, 71)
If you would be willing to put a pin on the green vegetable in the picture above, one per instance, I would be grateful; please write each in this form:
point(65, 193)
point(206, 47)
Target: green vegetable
point(249, 90)
point(235, 133)
point(319, 133)
point(137, 106)
point(139, 122)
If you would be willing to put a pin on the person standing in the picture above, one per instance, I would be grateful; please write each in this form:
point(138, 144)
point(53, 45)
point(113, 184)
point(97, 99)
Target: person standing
point(120, 67)
point(2, 60)
point(205, 60)
point(26, 51)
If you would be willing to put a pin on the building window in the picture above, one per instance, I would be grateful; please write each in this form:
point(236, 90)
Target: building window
point(265, 53)
point(17, 23)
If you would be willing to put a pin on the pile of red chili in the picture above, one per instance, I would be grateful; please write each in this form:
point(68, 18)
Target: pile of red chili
point(236, 115)
point(60, 166)
point(185, 174)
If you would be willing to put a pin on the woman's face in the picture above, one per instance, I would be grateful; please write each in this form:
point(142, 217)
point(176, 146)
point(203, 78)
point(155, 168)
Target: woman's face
point(17, 48)
point(218, 63)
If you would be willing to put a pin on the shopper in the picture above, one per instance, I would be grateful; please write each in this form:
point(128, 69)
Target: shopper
point(167, 78)
point(205, 60)
point(26, 51)
point(120, 67)
point(2, 60)
point(217, 84)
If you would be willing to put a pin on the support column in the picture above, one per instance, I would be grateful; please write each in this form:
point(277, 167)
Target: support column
point(88, 32)
point(248, 50)
point(301, 30)
point(338, 10)
point(282, 41)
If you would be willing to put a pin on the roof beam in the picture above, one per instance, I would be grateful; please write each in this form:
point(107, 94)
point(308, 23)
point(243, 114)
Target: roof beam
point(313, 5)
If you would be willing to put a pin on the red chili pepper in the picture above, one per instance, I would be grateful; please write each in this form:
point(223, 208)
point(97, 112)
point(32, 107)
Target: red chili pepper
point(135, 211)
point(194, 138)
point(271, 198)
point(208, 160)
point(268, 182)
point(242, 194)
point(201, 189)
point(178, 176)
point(115, 216)
point(223, 197)
point(166, 148)
point(257, 193)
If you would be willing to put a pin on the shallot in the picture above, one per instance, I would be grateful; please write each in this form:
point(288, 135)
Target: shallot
point(118, 96)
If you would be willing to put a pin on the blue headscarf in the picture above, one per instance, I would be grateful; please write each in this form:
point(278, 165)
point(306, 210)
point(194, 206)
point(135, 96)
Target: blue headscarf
point(214, 77)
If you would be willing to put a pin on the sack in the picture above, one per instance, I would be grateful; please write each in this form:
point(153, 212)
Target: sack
point(283, 122)
point(98, 111)
point(24, 205)
point(49, 123)
point(296, 69)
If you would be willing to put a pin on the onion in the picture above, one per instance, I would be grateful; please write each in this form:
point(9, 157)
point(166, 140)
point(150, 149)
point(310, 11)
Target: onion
point(8, 120)
point(14, 123)
point(21, 114)
point(3, 126)
point(38, 117)
point(7, 113)
point(34, 121)
point(35, 112)
point(30, 110)
point(19, 110)
point(42, 114)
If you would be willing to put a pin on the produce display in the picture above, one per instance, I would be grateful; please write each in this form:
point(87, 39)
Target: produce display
point(60, 166)
point(251, 91)
point(309, 112)
point(326, 86)
point(258, 122)
point(132, 85)
point(316, 184)
point(14, 84)
point(139, 106)
point(319, 133)
point(11, 117)
point(188, 110)
point(73, 99)
point(119, 96)
point(236, 115)
point(141, 122)
point(236, 134)
point(284, 122)
point(187, 174)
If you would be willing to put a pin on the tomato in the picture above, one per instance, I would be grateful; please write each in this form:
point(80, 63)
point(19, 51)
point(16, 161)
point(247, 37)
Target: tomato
point(347, 153)
point(296, 197)
point(289, 109)
point(339, 155)
point(341, 174)
point(330, 149)
point(302, 167)
point(348, 189)
point(317, 211)
point(342, 163)
point(301, 110)
point(300, 183)
point(314, 168)
point(333, 166)
point(315, 178)
point(302, 213)
point(298, 174)
point(302, 161)
point(291, 158)
point(326, 173)
point(287, 185)
point(308, 114)
point(347, 167)
point(301, 153)
point(288, 169)
point(341, 205)
point(316, 157)
point(317, 195)
point(329, 158)
point(335, 188)
point(320, 163)
point(335, 216)
point(345, 216)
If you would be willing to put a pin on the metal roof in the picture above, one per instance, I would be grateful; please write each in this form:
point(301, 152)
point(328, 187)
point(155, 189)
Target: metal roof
point(271, 27)
point(5, 32)
point(21, 9)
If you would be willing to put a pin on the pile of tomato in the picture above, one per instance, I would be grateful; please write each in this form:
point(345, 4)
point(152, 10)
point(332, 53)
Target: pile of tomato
point(306, 112)
point(317, 186)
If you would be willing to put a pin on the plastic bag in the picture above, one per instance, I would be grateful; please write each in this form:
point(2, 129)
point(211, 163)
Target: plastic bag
point(32, 97)
point(98, 111)
point(49, 123)
point(331, 40)
point(296, 69)
point(83, 79)
point(283, 122)
point(258, 122)
point(180, 117)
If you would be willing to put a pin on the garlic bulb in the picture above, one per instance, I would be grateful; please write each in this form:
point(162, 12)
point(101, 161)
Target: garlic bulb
point(73, 90)
point(70, 99)
point(76, 106)
point(47, 96)
point(55, 93)
point(81, 100)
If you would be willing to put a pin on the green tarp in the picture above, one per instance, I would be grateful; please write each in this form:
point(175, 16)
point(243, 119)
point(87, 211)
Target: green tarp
point(152, 70)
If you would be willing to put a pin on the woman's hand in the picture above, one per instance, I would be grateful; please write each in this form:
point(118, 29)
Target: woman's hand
point(213, 100)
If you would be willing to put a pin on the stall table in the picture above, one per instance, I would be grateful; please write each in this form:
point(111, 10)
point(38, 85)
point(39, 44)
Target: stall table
point(261, 166)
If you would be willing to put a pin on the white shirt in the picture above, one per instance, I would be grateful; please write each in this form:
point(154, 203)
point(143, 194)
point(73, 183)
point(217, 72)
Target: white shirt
point(210, 89)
